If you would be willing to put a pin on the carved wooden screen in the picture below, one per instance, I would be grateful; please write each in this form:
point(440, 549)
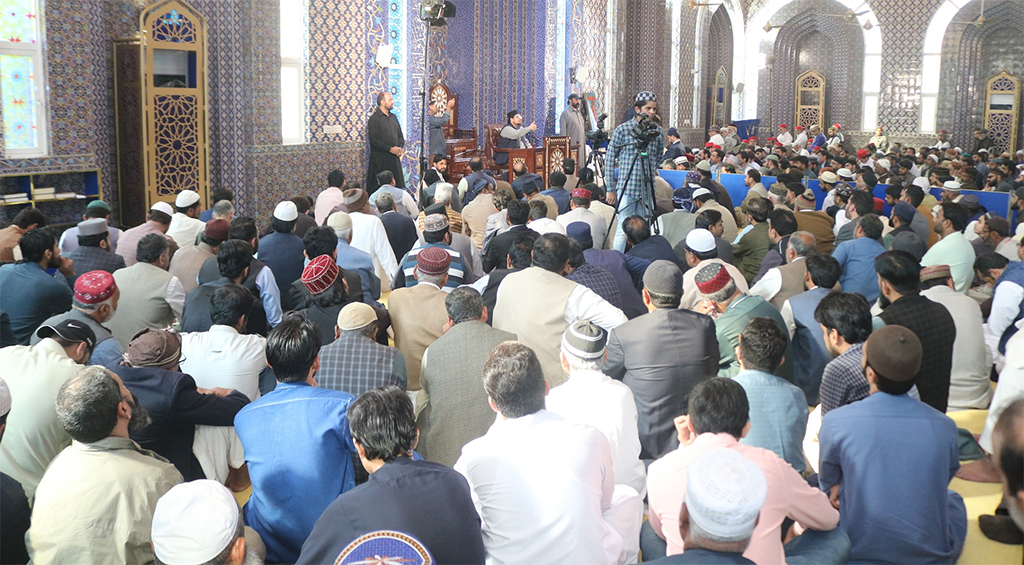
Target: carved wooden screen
point(1002, 110)
point(174, 100)
point(810, 99)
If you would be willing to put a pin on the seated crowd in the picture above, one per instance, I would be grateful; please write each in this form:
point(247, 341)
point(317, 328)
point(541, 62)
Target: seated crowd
point(477, 367)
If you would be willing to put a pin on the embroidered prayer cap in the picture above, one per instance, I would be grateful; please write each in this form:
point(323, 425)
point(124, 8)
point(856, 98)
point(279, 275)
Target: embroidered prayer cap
point(582, 193)
point(663, 277)
point(355, 199)
point(700, 240)
point(433, 260)
point(186, 199)
point(806, 201)
point(773, 157)
point(5, 398)
point(646, 96)
point(712, 278)
point(778, 189)
point(92, 226)
point(799, 128)
point(932, 272)
point(884, 163)
point(844, 190)
point(724, 493)
point(286, 211)
point(435, 223)
point(828, 177)
point(692, 176)
point(951, 185)
point(894, 352)
point(837, 126)
point(580, 231)
point(681, 159)
point(194, 522)
point(320, 274)
point(217, 229)
point(339, 221)
point(163, 207)
point(585, 340)
point(862, 153)
point(153, 348)
point(356, 315)
point(69, 330)
point(704, 165)
point(94, 287)
point(783, 126)
point(845, 174)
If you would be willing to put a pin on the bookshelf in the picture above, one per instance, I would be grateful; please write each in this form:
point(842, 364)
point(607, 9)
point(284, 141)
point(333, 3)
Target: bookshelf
point(39, 189)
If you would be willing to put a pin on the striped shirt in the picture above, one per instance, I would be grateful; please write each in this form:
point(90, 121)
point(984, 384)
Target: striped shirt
point(456, 271)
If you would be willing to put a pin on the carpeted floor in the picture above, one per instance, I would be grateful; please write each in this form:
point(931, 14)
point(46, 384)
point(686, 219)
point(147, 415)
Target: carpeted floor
point(981, 498)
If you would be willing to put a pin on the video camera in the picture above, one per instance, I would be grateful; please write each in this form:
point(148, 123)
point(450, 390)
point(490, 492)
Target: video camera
point(645, 131)
point(599, 135)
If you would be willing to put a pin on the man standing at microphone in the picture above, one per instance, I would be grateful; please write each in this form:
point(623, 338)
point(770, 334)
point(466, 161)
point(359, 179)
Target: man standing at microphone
point(384, 134)
point(636, 197)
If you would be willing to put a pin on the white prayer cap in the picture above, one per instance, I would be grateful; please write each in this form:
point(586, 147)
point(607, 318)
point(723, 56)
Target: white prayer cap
point(951, 185)
point(921, 182)
point(845, 174)
point(286, 211)
point(186, 198)
point(700, 192)
point(700, 240)
point(163, 207)
point(680, 160)
point(724, 494)
point(5, 398)
point(932, 157)
point(884, 163)
point(194, 522)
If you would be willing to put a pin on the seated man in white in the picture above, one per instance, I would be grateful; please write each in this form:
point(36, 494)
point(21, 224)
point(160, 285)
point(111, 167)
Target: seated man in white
point(593, 398)
point(544, 486)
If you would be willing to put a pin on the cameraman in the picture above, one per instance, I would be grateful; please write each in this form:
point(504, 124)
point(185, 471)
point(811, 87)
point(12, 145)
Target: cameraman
point(637, 199)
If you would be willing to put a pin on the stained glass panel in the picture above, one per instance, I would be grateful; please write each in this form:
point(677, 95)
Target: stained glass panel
point(19, 108)
point(18, 21)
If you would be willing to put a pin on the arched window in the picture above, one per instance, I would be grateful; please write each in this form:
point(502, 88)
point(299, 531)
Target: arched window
point(294, 45)
point(931, 61)
point(22, 81)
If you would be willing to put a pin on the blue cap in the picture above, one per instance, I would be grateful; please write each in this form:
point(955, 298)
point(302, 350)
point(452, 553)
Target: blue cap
point(580, 231)
point(673, 132)
point(904, 211)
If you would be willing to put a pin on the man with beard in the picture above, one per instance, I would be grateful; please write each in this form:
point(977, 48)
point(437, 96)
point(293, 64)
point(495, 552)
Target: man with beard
point(513, 135)
point(384, 134)
point(571, 123)
point(95, 301)
point(104, 484)
point(27, 293)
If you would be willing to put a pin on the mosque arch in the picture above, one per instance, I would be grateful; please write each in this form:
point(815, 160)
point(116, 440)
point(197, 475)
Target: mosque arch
point(752, 50)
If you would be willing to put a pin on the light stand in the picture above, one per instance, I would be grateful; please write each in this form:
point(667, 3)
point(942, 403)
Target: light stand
point(433, 14)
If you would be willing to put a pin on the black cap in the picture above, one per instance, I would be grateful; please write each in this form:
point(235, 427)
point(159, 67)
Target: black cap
point(574, 96)
point(69, 330)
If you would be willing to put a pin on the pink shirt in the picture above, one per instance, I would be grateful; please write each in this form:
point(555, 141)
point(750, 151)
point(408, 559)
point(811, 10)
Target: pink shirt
point(788, 495)
point(325, 202)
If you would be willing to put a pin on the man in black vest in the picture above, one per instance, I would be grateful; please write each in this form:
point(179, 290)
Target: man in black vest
point(513, 135)
point(260, 280)
point(234, 262)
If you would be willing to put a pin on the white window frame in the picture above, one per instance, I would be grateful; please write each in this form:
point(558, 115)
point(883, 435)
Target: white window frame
point(35, 51)
point(298, 66)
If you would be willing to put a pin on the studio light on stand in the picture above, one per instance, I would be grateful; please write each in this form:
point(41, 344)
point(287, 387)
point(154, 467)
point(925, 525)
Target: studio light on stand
point(433, 13)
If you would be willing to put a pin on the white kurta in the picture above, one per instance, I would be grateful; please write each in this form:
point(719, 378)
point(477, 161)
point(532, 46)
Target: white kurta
point(184, 230)
point(1009, 388)
point(598, 225)
point(595, 399)
point(544, 488)
point(969, 385)
point(368, 235)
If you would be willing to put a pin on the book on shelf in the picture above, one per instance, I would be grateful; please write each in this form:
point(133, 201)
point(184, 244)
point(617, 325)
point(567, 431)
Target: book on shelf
point(44, 196)
point(17, 197)
point(49, 190)
point(63, 195)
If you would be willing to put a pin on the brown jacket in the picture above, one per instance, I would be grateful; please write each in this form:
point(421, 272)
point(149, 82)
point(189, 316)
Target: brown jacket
point(820, 225)
point(9, 238)
point(418, 316)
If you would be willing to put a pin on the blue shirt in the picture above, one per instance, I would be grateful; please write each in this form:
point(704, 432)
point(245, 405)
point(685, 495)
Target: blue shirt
point(299, 451)
point(353, 259)
point(778, 416)
point(857, 259)
point(621, 152)
point(561, 197)
point(893, 458)
point(29, 296)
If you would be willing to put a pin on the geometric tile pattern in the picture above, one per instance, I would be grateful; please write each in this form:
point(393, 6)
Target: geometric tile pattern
point(969, 57)
point(717, 54)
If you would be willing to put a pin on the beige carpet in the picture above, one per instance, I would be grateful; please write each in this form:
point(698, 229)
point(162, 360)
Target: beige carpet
point(980, 498)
